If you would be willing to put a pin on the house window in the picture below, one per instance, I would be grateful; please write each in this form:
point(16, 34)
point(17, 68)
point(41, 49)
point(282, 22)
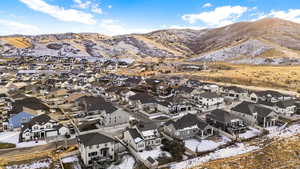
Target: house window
point(92, 154)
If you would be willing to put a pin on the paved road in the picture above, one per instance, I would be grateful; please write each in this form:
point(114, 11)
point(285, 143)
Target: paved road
point(40, 148)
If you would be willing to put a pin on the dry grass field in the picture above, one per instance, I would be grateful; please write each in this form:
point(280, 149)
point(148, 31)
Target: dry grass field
point(278, 154)
point(18, 42)
point(277, 77)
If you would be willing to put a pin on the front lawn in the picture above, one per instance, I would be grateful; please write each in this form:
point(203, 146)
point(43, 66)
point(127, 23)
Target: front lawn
point(7, 145)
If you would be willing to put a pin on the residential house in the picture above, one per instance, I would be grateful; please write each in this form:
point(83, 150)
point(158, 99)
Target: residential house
point(30, 105)
point(42, 127)
point(225, 121)
point(234, 92)
point(96, 147)
point(268, 96)
point(208, 99)
point(286, 107)
point(150, 134)
point(256, 114)
point(17, 120)
point(188, 126)
point(134, 138)
point(107, 112)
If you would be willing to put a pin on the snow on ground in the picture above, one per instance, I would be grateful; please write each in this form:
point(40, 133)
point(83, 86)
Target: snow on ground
point(13, 137)
point(127, 163)
point(252, 132)
point(70, 159)
point(205, 145)
point(40, 164)
point(155, 153)
point(239, 148)
point(284, 132)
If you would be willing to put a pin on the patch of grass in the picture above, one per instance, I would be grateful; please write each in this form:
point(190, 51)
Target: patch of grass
point(68, 166)
point(7, 145)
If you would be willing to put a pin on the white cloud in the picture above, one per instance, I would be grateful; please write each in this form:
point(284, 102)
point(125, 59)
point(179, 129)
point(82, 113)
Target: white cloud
point(109, 6)
point(95, 8)
point(82, 5)
point(13, 27)
point(115, 27)
point(207, 5)
point(184, 27)
point(291, 14)
point(218, 17)
point(67, 15)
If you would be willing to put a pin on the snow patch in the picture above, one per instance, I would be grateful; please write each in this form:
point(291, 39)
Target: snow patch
point(13, 137)
point(222, 153)
point(41, 164)
point(155, 153)
point(70, 159)
point(277, 132)
point(127, 163)
point(252, 132)
point(205, 145)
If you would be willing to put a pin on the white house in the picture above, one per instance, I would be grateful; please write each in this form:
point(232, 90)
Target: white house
point(135, 139)
point(96, 147)
point(150, 134)
point(208, 99)
point(286, 107)
point(42, 127)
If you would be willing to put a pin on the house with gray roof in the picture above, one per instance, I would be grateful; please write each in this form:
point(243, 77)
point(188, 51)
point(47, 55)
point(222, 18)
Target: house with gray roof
point(256, 114)
point(225, 121)
point(286, 107)
point(135, 139)
point(188, 126)
point(42, 127)
point(268, 96)
point(208, 99)
point(96, 147)
point(234, 92)
point(109, 114)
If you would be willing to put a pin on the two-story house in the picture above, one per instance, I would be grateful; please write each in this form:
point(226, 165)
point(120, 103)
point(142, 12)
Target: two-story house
point(134, 138)
point(225, 121)
point(286, 107)
point(42, 127)
point(208, 99)
point(96, 147)
point(106, 111)
point(150, 134)
point(256, 114)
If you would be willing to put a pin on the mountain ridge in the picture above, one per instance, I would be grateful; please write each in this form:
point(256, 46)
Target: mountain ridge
point(240, 40)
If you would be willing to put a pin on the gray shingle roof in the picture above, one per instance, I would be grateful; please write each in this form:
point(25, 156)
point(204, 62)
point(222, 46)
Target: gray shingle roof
point(221, 116)
point(94, 139)
point(286, 103)
point(134, 133)
point(189, 120)
point(250, 108)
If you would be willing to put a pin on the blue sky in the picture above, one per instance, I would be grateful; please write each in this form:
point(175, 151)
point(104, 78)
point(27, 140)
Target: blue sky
point(113, 17)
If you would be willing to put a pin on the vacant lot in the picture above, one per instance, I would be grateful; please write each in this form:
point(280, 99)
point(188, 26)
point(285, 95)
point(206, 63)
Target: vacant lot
point(280, 77)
